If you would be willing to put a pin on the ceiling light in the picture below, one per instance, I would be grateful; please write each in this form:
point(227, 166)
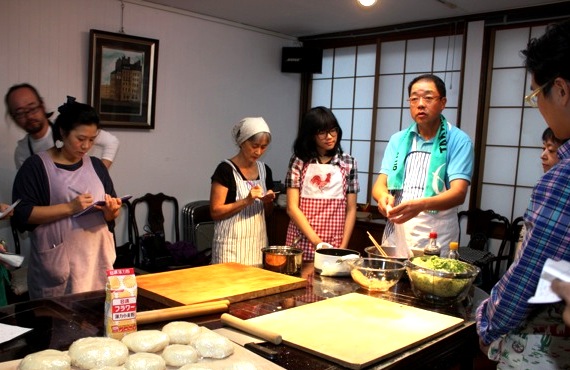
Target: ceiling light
point(367, 2)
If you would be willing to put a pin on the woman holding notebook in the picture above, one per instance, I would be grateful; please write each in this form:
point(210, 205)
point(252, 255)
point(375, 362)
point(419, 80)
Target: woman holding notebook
point(68, 254)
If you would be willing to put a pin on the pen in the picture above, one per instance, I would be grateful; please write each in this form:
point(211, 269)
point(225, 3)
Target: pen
point(74, 190)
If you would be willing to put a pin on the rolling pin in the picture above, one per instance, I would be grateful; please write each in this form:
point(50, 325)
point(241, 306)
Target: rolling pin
point(174, 313)
point(249, 328)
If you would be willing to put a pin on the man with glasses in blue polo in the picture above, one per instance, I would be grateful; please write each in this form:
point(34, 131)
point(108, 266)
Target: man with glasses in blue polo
point(425, 174)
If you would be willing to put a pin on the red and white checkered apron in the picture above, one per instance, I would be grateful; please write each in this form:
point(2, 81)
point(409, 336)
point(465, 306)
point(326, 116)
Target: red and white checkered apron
point(323, 202)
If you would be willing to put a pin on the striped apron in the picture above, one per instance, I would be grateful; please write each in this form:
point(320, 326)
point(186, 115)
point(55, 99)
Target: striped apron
point(239, 238)
point(414, 233)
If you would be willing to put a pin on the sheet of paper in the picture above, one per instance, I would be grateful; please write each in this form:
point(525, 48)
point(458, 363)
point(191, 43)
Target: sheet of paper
point(14, 260)
point(9, 209)
point(552, 270)
point(92, 208)
point(9, 332)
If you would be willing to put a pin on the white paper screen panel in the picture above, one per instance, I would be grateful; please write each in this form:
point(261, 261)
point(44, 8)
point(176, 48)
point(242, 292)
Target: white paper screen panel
point(500, 165)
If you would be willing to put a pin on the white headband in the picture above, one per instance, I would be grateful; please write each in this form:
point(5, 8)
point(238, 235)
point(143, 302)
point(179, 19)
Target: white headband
point(247, 128)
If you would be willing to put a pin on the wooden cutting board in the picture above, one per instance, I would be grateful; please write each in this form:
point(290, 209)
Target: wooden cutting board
point(232, 281)
point(355, 330)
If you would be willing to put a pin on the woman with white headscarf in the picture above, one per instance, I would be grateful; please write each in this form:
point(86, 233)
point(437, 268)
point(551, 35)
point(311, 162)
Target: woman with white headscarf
point(240, 193)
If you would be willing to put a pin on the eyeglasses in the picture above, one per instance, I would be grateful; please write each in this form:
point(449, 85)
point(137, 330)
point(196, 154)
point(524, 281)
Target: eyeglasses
point(415, 100)
point(322, 134)
point(23, 113)
point(532, 98)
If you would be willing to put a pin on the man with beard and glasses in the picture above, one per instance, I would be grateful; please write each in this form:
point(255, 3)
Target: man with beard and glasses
point(26, 107)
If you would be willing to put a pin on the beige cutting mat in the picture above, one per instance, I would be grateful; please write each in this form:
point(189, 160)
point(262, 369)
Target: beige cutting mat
point(356, 330)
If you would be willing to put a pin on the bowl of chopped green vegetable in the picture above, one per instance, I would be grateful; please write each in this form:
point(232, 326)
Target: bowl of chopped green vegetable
point(376, 274)
point(440, 280)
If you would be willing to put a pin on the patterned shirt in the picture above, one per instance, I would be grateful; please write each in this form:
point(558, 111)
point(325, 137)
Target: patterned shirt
point(547, 221)
point(293, 178)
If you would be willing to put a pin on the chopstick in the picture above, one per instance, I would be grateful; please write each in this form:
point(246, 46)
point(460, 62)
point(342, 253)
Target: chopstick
point(377, 245)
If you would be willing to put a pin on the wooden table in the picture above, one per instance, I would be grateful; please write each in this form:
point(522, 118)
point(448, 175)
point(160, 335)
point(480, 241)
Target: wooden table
point(58, 322)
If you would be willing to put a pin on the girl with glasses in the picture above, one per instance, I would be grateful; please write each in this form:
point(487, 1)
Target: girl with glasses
point(322, 184)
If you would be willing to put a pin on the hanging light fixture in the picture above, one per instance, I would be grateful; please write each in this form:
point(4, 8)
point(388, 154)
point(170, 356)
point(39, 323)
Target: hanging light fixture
point(367, 2)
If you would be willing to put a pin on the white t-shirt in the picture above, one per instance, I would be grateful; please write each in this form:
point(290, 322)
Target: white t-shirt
point(105, 147)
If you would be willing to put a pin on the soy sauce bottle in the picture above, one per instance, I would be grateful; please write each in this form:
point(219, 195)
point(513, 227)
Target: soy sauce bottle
point(433, 248)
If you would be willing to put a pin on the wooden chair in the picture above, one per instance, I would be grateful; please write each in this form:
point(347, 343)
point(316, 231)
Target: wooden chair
point(482, 227)
point(152, 254)
point(516, 238)
point(127, 253)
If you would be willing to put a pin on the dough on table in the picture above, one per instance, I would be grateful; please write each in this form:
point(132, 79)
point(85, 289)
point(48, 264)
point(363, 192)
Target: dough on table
point(197, 366)
point(242, 365)
point(180, 354)
point(93, 352)
point(49, 359)
point(213, 345)
point(146, 341)
point(145, 361)
point(181, 332)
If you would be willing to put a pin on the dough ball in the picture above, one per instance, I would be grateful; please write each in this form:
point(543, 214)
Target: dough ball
point(145, 361)
point(213, 345)
point(180, 354)
point(181, 332)
point(93, 352)
point(146, 341)
point(50, 359)
point(110, 368)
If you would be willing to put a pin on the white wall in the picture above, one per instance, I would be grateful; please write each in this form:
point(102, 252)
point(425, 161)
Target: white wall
point(210, 75)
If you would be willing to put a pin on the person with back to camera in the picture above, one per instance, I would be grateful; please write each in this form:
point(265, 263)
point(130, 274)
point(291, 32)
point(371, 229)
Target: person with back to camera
point(27, 109)
point(425, 173)
point(241, 194)
point(511, 330)
point(322, 184)
point(68, 254)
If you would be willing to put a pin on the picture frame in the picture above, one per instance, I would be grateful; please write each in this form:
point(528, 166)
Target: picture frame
point(122, 79)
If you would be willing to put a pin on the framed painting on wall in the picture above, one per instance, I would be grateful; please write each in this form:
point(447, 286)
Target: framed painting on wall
point(122, 79)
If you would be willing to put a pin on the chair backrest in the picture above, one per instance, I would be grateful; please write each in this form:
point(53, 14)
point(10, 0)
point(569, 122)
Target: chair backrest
point(483, 225)
point(155, 216)
point(127, 253)
point(194, 214)
point(153, 254)
point(517, 235)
